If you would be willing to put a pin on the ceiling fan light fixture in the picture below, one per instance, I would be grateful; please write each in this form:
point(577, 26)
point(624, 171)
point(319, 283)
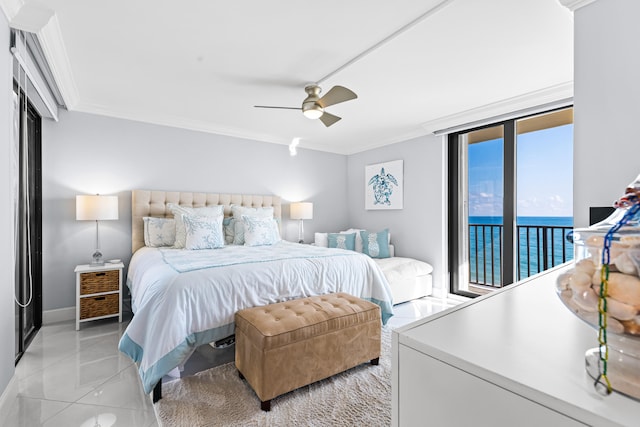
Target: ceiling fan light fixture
point(313, 106)
point(313, 111)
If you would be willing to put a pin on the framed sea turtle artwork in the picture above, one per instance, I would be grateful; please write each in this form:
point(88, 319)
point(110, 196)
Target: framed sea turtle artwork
point(383, 185)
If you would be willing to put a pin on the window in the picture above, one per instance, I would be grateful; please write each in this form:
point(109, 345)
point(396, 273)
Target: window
point(510, 200)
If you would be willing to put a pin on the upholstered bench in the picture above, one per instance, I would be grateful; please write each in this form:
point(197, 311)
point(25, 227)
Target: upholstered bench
point(283, 346)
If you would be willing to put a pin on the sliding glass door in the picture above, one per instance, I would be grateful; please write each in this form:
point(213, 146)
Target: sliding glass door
point(510, 197)
point(544, 209)
point(28, 223)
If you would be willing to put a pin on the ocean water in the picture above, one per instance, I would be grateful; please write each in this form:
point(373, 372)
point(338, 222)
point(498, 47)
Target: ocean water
point(485, 246)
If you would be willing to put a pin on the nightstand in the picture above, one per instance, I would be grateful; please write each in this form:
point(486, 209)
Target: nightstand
point(98, 292)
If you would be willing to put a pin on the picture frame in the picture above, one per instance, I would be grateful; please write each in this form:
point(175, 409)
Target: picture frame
point(384, 186)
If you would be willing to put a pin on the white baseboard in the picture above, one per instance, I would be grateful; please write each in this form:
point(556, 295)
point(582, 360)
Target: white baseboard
point(8, 399)
point(437, 293)
point(58, 315)
point(448, 297)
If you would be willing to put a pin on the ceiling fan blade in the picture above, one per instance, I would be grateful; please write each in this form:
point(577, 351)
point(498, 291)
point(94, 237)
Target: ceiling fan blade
point(336, 95)
point(328, 119)
point(281, 108)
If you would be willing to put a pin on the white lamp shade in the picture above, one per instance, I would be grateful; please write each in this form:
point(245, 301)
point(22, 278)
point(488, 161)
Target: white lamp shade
point(96, 207)
point(302, 210)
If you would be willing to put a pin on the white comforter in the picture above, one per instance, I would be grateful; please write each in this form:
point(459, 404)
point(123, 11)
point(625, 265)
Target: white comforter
point(183, 299)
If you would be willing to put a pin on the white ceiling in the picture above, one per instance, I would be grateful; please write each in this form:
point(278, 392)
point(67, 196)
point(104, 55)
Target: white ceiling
point(204, 64)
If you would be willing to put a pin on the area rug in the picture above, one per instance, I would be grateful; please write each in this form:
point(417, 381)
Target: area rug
point(218, 397)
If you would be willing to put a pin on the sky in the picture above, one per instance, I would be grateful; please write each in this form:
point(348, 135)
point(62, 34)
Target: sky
point(544, 174)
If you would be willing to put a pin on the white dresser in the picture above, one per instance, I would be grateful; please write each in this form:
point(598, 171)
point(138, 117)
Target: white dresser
point(515, 357)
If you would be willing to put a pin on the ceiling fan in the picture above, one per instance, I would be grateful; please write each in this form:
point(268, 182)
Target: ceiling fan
point(313, 107)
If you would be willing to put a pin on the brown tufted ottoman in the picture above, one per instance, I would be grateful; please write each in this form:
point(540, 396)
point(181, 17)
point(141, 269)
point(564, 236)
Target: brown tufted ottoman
point(287, 345)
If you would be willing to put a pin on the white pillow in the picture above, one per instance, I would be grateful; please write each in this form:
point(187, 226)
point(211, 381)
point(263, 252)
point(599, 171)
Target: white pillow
point(238, 226)
point(260, 231)
point(203, 232)
point(211, 211)
point(178, 211)
point(159, 231)
point(321, 239)
point(237, 211)
point(228, 225)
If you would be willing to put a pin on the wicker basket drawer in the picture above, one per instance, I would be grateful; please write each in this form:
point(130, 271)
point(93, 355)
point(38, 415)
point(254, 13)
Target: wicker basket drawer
point(101, 305)
point(99, 281)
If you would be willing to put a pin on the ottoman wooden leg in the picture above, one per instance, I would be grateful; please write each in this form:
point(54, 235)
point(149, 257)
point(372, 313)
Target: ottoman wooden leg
point(375, 361)
point(266, 405)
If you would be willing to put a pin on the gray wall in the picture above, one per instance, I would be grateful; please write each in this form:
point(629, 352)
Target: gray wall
point(88, 154)
point(606, 144)
point(419, 229)
point(7, 325)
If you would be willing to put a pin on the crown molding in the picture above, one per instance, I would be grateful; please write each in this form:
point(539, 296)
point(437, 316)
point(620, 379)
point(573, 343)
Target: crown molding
point(50, 38)
point(572, 5)
point(511, 106)
point(355, 148)
point(174, 122)
point(11, 8)
point(30, 17)
point(37, 19)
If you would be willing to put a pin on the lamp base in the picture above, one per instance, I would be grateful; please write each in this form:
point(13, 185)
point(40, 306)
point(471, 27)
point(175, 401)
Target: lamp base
point(97, 258)
point(300, 231)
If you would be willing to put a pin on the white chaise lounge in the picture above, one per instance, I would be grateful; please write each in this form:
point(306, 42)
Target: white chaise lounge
point(408, 278)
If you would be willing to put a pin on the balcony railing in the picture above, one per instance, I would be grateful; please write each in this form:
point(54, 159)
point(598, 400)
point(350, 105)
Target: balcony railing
point(538, 248)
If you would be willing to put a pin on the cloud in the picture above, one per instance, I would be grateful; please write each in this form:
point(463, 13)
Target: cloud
point(485, 204)
point(556, 199)
point(552, 205)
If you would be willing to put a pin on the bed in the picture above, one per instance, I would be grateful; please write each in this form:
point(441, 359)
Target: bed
point(186, 298)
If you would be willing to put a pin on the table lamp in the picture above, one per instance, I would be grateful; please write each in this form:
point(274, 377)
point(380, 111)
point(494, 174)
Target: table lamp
point(301, 211)
point(96, 208)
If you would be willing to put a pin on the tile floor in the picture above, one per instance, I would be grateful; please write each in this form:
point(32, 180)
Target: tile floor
point(79, 378)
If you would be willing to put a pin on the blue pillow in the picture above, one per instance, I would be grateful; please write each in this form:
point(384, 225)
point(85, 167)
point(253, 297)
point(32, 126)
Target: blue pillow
point(376, 245)
point(342, 241)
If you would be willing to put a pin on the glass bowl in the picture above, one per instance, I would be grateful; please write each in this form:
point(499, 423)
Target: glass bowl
point(579, 290)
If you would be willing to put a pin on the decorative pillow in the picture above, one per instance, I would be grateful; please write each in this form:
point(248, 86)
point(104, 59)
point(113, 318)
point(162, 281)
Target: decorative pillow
point(342, 241)
point(159, 231)
point(376, 245)
point(239, 226)
point(203, 232)
point(358, 247)
point(260, 231)
point(359, 237)
point(178, 211)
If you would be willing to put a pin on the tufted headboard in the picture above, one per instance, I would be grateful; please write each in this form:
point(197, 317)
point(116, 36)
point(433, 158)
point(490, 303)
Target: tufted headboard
point(154, 203)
